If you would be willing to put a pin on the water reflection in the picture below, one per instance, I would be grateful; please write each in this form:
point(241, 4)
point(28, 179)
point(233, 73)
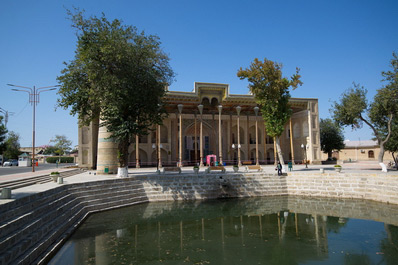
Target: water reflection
point(269, 230)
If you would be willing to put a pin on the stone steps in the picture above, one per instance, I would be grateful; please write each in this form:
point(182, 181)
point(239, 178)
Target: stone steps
point(31, 227)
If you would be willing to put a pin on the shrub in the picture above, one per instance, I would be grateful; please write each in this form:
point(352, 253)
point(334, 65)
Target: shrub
point(63, 159)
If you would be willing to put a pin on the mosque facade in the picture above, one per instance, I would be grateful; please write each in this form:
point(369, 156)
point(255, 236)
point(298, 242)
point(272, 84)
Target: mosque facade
point(205, 123)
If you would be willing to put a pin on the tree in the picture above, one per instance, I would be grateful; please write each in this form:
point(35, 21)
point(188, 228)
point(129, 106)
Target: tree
point(3, 134)
point(12, 146)
point(332, 137)
point(271, 92)
point(118, 75)
point(354, 110)
point(61, 144)
point(49, 150)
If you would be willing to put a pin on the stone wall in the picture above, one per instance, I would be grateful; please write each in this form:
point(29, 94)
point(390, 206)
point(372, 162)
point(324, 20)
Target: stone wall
point(376, 187)
point(36, 225)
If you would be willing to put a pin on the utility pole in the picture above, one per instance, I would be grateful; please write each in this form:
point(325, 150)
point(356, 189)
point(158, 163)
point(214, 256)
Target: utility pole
point(6, 115)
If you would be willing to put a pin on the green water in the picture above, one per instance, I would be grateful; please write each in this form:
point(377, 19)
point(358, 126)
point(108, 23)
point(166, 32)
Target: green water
point(269, 230)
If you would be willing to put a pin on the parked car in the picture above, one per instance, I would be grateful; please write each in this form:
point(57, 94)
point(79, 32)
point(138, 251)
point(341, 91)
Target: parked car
point(12, 162)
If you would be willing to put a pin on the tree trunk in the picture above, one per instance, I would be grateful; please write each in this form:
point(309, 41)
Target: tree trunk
point(280, 155)
point(123, 156)
point(380, 158)
point(379, 140)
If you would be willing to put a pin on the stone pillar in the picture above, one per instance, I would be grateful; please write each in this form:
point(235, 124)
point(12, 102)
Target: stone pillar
point(107, 152)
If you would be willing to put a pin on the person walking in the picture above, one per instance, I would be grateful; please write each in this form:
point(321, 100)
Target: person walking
point(279, 167)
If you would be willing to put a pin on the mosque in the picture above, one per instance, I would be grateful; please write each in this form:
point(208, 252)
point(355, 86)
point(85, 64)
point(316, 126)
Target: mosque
point(209, 122)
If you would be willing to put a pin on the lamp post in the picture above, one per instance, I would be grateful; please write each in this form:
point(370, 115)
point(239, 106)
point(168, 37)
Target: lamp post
point(34, 98)
point(238, 109)
point(219, 134)
point(236, 146)
point(256, 112)
point(200, 107)
point(305, 147)
point(180, 106)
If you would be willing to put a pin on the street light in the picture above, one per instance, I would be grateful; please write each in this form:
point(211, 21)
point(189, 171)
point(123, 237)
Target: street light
point(305, 147)
point(34, 98)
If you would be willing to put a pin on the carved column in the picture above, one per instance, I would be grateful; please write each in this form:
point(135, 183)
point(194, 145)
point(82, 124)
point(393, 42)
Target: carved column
point(219, 134)
point(180, 106)
point(137, 152)
point(200, 107)
point(238, 108)
point(291, 141)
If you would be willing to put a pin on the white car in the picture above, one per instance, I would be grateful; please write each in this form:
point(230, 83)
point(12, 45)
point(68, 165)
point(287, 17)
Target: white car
point(12, 162)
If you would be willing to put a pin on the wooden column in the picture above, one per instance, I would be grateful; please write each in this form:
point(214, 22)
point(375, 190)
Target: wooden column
point(291, 141)
point(159, 149)
point(248, 138)
point(180, 106)
point(257, 162)
point(265, 144)
point(200, 107)
point(137, 152)
point(238, 111)
point(195, 142)
point(219, 134)
point(275, 151)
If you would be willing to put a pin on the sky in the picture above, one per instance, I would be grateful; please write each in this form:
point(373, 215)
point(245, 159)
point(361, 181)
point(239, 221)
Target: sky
point(334, 43)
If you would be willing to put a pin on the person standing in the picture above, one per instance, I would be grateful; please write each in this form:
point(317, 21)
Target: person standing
point(279, 167)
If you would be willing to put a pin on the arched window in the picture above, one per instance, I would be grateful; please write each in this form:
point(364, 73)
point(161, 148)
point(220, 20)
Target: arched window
point(371, 154)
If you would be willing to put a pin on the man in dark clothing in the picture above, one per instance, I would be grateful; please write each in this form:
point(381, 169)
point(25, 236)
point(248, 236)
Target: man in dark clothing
point(279, 167)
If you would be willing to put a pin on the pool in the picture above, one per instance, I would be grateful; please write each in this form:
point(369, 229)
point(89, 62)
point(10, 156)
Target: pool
point(266, 230)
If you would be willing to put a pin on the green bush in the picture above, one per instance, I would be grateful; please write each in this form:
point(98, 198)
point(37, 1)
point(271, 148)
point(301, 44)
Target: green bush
point(63, 159)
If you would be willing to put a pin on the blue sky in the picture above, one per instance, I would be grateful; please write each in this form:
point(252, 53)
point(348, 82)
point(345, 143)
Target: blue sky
point(334, 43)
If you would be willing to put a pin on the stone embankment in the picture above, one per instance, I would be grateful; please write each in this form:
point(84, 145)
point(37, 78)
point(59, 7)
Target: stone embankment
point(35, 225)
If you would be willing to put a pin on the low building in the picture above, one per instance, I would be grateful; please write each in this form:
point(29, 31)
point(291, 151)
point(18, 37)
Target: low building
point(214, 131)
point(365, 150)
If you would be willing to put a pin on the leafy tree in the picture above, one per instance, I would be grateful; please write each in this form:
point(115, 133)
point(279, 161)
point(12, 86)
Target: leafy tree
point(332, 137)
point(354, 110)
point(118, 75)
point(49, 150)
point(61, 145)
point(3, 134)
point(12, 146)
point(271, 91)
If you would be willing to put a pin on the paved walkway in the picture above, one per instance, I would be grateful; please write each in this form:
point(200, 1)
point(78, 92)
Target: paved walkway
point(88, 176)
